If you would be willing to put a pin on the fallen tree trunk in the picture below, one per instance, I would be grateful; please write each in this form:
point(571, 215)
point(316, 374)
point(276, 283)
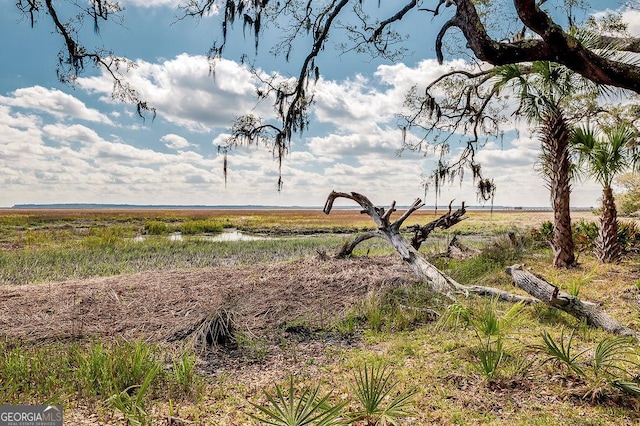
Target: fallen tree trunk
point(552, 296)
point(420, 232)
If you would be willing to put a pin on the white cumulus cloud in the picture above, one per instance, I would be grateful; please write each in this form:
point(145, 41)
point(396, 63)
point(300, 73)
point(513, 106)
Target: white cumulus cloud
point(55, 102)
point(174, 141)
point(183, 91)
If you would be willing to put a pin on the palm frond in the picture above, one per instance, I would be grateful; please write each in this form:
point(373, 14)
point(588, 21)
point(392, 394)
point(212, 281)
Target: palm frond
point(562, 352)
point(632, 388)
point(373, 386)
point(613, 355)
point(304, 408)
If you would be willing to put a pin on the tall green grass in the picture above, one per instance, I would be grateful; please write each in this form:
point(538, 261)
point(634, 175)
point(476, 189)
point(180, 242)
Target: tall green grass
point(94, 372)
point(492, 258)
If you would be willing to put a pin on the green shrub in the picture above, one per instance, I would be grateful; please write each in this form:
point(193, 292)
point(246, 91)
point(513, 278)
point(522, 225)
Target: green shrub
point(629, 236)
point(544, 233)
point(585, 234)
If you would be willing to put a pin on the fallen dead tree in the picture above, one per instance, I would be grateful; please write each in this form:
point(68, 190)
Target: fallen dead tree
point(552, 296)
point(440, 283)
point(390, 231)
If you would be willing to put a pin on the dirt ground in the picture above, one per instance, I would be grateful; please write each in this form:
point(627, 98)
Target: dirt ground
point(164, 306)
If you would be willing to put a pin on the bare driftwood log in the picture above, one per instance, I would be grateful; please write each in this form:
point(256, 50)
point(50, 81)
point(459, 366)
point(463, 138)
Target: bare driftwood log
point(390, 231)
point(552, 296)
point(420, 233)
point(541, 290)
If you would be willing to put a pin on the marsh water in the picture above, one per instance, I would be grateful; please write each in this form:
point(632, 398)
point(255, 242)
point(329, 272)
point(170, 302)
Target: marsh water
point(226, 235)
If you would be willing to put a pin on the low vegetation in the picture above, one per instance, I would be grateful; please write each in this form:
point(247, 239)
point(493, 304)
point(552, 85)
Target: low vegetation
point(395, 355)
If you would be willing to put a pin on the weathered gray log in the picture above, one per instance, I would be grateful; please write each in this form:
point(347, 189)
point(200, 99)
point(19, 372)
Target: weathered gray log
point(541, 290)
point(552, 296)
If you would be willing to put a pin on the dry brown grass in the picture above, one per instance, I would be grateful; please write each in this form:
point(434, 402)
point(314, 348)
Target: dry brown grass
point(157, 306)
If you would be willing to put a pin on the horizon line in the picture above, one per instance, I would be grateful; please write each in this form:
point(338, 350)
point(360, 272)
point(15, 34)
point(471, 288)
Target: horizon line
point(253, 206)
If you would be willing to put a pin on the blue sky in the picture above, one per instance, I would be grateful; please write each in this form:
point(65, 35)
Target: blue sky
point(62, 144)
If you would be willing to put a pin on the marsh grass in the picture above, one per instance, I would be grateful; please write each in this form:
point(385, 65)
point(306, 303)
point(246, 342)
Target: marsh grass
point(105, 255)
point(398, 308)
point(493, 258)
point(185, 382)
point(61, 245)
point(132, 402)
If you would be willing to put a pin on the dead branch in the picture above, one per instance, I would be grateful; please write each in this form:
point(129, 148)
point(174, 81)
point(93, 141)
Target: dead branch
point(347, 248)
point(455, 250)
point(447, 220)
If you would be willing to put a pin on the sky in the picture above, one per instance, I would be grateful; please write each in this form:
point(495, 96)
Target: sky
point(75, 144)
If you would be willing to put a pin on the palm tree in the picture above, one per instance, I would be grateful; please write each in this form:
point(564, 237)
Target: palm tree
point(544, 90)
point(605, 155)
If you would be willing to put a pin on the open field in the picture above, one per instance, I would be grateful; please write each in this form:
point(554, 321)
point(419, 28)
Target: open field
point(191, 331)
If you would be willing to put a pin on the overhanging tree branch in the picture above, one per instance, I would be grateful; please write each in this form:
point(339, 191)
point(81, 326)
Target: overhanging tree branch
point(555, 45)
